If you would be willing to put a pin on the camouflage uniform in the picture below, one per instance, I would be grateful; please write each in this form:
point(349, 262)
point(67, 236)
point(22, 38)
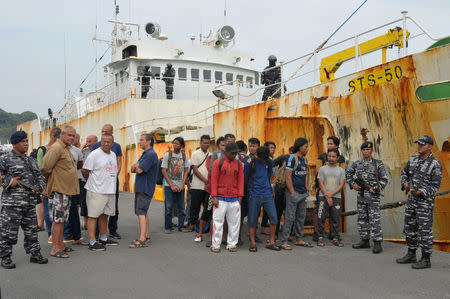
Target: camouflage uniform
point(19, 204)
point(423, 175)
point(369, 174)
point(268, 78)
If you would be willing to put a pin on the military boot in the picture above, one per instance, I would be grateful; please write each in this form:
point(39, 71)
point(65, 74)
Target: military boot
point(361, 244)
point(7, 263)
point(424, 261)
point(37, 258)
point(377, 247)
point(409, 258)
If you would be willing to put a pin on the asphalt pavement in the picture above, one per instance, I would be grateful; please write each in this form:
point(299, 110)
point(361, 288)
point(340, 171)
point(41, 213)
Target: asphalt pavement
point(173, 266)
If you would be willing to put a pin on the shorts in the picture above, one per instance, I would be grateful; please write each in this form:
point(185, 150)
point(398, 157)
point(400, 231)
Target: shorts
point(59, 207)
point(207, 210)
point(98, 204)
point(141, 203)
point(254, 209)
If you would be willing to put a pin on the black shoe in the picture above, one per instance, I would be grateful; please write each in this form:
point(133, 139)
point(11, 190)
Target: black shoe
point(115, 235)
point(424, 261)
point(377, 247)
point(7, 263)
point(109, 242)
point(315, 237)
point(361, 244)
point(97, 247)
point(37, 258)
point(409, 258)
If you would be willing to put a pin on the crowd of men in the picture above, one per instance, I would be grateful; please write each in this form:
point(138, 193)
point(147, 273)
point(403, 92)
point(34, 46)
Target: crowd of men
point(236, 182)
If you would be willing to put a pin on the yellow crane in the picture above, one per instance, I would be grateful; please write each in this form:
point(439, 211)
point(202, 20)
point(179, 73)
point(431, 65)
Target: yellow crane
point(330, 64)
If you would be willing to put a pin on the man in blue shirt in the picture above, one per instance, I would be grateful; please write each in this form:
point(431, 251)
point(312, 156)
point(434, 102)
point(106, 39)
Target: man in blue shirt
point(258, 171)
point(296, 194)
point(112, 223)
point(146, 170)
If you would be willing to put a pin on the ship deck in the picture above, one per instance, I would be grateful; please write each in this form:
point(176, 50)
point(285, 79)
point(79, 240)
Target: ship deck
point(175, 266)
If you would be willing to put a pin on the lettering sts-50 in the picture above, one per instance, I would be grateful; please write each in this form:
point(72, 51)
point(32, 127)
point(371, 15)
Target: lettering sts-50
point(387, 75)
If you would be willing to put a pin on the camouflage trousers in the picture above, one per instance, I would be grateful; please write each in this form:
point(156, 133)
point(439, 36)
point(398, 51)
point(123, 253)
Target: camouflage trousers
point(419, 223)
point(369, 224)
point(13, 217)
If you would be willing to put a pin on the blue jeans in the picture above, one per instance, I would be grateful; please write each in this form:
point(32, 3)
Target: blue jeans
point(171, 198)
point(48, 222)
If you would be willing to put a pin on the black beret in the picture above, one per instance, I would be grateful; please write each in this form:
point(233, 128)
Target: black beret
point(367, 144)
point(18, 136)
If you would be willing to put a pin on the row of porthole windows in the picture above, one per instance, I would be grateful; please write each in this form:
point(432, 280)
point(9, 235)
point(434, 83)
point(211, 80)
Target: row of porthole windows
point(182, 75)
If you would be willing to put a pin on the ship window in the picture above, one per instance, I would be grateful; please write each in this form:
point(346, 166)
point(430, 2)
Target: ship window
point(156, 71)
point(122, 74)
point(129, 51)
point(434, 91)
point(249, 82)
point(240, 78)
point(229, 78)
point(117, 79)
point(218, 76)
point(195, 74)
point(207, 75)
point(182, 74)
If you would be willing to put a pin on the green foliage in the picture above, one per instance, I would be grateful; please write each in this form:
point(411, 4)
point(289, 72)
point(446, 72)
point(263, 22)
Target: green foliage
point(9, 122)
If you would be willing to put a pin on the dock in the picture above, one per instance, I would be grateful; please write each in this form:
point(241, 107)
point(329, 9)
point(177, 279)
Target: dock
point(174, 266)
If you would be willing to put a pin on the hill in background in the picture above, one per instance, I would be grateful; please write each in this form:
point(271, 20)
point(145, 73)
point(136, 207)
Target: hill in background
point(9, 121)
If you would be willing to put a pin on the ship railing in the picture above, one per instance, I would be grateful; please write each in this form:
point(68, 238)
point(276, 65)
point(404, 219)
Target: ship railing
point(307, 67)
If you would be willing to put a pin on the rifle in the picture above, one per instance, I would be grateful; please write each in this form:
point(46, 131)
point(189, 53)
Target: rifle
point(364, 187)
point(29, 187)
point(391, 205)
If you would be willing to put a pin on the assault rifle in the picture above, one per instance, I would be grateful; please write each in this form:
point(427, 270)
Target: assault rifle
point(365, 187)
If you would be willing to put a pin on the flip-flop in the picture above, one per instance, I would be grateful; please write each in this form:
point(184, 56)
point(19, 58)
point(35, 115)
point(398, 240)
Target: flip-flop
point(68, 249)
point(285, 246)
point(80, 243)
point(60, 254)
point(253, 248)
point(337, 243)
point(320, 242)
point(137, 244)
point(303, 244)
point(273, 247)
point(232, 249)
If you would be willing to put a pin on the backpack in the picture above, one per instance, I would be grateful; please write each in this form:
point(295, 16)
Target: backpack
point(160, 176)
point(191, 168)
point(35, 151)
point(281, 171)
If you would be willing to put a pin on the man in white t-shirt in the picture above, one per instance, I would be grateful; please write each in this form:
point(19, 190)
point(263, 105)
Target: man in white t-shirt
point(199, 179)
point(100, 170)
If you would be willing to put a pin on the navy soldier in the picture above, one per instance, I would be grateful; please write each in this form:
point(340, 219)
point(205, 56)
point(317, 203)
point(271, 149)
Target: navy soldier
point(270, 77)
point(421, 178)
point(168, 78)
point(146, 75)
point(22, 182)
point(368, 176)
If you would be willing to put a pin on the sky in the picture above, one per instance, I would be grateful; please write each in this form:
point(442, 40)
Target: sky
point(33, 33)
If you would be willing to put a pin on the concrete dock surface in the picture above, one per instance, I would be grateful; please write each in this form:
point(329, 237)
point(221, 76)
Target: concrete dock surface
point(173, 266)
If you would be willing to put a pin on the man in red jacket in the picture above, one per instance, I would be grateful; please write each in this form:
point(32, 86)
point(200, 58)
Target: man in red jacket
point(227, 189)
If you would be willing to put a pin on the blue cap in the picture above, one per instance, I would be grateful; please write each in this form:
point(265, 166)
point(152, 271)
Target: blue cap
point(424, 139)
point(367, 144)
point(18, 136)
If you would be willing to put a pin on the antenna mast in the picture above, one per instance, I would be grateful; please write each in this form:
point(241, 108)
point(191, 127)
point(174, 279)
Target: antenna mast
point(225, 12)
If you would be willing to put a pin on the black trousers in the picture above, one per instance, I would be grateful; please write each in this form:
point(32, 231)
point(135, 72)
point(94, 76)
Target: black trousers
point(112, 223)
point(280, 205)
point(198, 198)
point(323, 209)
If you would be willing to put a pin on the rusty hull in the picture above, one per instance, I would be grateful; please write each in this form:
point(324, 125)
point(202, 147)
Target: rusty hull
point(388, 114)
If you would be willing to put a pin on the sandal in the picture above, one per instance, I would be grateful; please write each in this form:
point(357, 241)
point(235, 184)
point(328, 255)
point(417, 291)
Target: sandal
point(303, 244)
point(60, 254)
point(285, 246)
point(137, 244)
point(253, 248)
point(320, 242)
point(273, 247)
point(232, 249)
point(148, 240)
point(68, 249)
point(215, 250)
point(338, 243)
point(79, 242)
